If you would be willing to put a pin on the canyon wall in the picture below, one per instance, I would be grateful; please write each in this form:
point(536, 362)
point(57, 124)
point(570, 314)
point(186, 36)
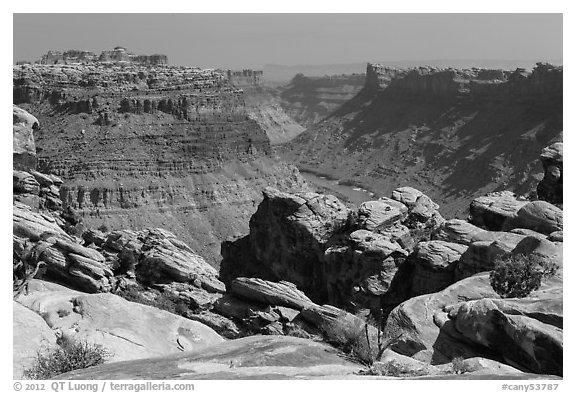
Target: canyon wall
point(453, 133)
point(308, 100)
point(141, 146)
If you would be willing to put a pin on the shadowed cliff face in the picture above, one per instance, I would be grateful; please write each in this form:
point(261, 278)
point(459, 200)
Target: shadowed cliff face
point(309, 100)
point(454, 134)
point(141, 146)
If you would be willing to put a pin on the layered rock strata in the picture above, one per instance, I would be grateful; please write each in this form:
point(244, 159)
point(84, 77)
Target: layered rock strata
point(142, 146)
point(452, 133)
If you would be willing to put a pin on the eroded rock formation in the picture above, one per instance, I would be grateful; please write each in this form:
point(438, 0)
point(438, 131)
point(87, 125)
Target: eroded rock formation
point(455, 134)
point(143, 146)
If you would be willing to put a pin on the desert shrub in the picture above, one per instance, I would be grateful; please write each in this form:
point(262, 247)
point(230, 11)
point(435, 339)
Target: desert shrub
point(518, 275)
point(295, 330)
point(161, 300)
point(394, 369)
point(458, 365)
point(69, 356)
point(357, 340)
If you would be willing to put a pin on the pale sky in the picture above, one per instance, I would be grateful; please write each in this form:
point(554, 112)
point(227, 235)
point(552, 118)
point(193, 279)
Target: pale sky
point(254, 40)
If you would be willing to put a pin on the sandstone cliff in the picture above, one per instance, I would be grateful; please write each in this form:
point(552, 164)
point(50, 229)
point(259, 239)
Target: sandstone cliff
point(309, 100)
point(141, 146)
point(452, 133)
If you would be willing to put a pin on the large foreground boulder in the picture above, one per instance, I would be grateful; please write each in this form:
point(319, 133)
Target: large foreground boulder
point(551, 186)
point(127, 330)
point(30, 336)
point(429, 332)
point(521, 339)
point(255, 357)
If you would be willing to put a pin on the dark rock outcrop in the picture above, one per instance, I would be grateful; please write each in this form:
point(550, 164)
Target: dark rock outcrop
point(288, 236)
point(550, 188)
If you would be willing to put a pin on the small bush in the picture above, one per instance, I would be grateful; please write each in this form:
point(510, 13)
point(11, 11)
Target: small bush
point(69, 356)
point(394, 369)
point(518, 275)
point(162, 301)
point(356, 340)
point(458, 365)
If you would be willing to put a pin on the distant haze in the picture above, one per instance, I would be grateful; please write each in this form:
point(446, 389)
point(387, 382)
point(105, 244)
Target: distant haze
point(255, 40)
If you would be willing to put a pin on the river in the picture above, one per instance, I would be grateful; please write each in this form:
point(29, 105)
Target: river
point(352, 194)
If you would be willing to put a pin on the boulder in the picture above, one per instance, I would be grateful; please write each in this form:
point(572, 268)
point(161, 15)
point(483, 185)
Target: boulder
point(418, 322)
point(521, 340)
point(24, 183)
point(557, 236)
point(24, 148)
point(482, 254)
point(423, 218)
point(231, 306)
point(30, 336)
point(282, 293)
point(359, 270)
point(127, 330)
point(256, 357)
point(491, 211)
point(66, 260)
point(551, 186)
point(394, 203)
point(222, 325)
point(373, 215)
point(338, 325)
point(457, 231)
point(32, 225)
point(434, 264)
point(165, 259)
point(288, 236)
point(400, 234)
point(539, 216)
point(528, 232)
point(406, 195)
point(429, 333)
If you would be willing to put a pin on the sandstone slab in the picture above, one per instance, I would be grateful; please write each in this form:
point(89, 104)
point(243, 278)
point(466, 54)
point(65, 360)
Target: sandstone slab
point(127, 330)
point(282, 293)
point(30, 336)
point(255, 357)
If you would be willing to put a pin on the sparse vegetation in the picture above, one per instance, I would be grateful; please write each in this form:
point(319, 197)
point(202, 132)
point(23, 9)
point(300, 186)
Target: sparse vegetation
point(394, 369)
point(357, 340)
point(69, 356)
point(160, 300)
point(518, 275)
point(458, 365)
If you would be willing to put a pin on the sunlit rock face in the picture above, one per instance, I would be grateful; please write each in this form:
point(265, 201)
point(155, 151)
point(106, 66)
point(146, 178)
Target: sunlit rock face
point(152, 146)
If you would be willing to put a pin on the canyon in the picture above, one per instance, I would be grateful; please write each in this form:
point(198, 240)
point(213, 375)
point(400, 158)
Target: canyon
point(153, 218)
point(142, 146)
point(453, 133)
